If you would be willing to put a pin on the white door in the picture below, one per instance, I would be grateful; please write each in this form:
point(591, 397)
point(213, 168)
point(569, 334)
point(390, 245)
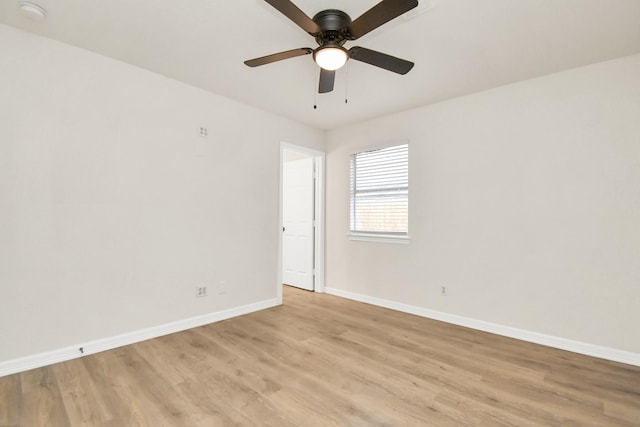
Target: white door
point(297, 221)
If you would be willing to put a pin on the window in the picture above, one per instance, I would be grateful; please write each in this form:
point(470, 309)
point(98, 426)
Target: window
point(380, 193)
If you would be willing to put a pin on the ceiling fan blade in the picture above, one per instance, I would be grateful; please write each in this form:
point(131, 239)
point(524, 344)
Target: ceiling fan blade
point(381, 60)
point(380, 14)
point(326, 80)
point(292, 12)
point(263, 60)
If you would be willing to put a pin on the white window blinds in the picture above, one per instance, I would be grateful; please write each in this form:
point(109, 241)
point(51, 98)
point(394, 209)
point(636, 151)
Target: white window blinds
point(380, 191)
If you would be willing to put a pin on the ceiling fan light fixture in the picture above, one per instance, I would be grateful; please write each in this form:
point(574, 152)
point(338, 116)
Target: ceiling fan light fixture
point(330, 57)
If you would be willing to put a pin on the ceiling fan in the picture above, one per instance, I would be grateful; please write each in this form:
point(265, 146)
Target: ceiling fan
point(332, 29)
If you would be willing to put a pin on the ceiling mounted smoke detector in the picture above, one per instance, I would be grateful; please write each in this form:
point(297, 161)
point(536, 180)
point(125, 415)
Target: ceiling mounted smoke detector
point(32, 11)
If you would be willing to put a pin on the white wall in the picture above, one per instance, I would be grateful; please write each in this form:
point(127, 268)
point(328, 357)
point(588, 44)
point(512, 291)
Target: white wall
point(524, 202)
point(113, 209)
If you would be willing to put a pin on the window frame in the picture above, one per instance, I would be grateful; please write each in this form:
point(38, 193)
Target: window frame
point(377, 236)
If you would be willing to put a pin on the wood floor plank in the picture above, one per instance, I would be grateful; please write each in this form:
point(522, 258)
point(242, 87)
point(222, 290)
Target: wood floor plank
point(10, 401)
point(80, 395)
point(41, 400)
point(131, 400)
point(222, 374)
point(321, 360)
point(106, 382)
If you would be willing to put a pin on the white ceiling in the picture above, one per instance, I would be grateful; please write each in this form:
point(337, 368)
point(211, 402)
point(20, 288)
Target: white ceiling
point(459, 47)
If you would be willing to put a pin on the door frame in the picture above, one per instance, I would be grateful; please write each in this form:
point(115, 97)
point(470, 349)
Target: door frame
point(319, 209)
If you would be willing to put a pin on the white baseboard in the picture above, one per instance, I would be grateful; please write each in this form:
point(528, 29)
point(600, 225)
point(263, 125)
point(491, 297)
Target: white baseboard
point(521, 334)
point(72, 352)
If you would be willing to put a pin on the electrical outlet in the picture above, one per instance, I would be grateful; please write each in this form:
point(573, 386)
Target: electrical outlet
point(201, 291)
point(443, 291)
point(204, 132)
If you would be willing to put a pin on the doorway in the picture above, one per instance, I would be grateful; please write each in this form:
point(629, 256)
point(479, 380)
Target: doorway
point(301, 260)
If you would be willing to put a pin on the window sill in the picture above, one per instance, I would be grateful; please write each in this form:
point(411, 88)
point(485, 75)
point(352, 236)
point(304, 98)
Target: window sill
point(379, 238)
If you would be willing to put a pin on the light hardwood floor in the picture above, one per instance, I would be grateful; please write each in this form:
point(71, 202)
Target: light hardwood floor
point(321, 360)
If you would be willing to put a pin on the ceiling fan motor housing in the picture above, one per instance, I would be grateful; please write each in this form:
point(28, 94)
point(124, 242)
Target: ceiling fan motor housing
point(335, 27)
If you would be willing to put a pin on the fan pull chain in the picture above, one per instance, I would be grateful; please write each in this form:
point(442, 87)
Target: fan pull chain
point(315, 92)
point(346, 83)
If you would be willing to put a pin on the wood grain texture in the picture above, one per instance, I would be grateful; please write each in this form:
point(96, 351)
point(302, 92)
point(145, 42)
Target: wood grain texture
point(320, 360)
